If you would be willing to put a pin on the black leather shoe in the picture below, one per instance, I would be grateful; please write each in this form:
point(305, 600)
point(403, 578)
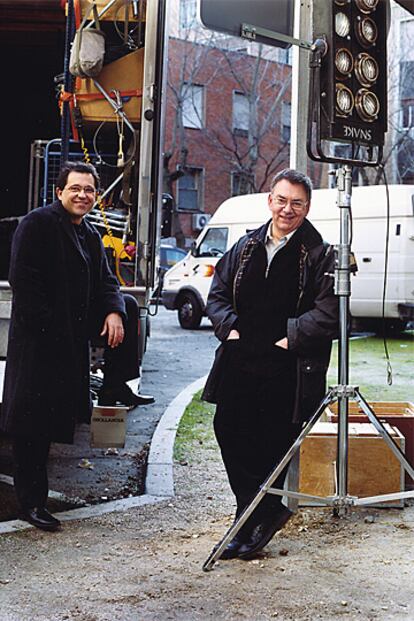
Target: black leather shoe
point(41, 518)
point(263, 532)
point(122, 395)
point(232, 548)
point(240, 538)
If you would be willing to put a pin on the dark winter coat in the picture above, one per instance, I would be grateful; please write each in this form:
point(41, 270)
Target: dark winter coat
point(309, 332)
point(59, 299)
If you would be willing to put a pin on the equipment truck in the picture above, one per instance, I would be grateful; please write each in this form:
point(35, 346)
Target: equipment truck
point(113, 119)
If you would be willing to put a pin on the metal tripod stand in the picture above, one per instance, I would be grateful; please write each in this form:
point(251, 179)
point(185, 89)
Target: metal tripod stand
point(341, 393)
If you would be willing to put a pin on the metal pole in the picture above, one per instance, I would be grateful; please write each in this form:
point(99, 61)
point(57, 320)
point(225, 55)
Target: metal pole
point(343, 392)
point(343, 290)
point(68, 83)
point(117, 109)
point(300, 76)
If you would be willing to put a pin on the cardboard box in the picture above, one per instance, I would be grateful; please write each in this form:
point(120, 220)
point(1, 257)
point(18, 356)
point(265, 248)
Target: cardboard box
point(124, 75)
point(372, 467)
point(399, 414)
point(108, 427)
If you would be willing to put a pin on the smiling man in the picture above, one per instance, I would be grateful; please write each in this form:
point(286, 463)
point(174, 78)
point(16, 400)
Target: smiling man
point(273, 308)
point(78, 194)
point(64, 294)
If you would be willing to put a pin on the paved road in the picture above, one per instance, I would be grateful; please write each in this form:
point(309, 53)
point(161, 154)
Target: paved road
point(174, 358)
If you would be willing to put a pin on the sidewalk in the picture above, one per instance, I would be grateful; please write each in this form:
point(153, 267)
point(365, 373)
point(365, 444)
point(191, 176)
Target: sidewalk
point(144, 563)
point(100, 476)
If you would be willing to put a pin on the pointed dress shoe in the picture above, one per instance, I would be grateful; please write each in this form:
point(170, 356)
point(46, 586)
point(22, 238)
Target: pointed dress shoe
point(124, 396)
point(41, 518)
point(232, 548)
point(263, 532)
point(239, 539)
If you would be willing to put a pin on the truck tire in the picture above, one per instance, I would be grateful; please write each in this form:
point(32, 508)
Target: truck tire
point(189, 312)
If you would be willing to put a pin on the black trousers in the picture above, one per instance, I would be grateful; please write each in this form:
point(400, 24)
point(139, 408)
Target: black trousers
point(122, 362)
point(30, 454)
point(30, 470)
point(253, 428)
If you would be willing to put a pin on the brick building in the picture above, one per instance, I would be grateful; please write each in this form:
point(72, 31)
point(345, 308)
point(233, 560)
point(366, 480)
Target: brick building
point(227, 122)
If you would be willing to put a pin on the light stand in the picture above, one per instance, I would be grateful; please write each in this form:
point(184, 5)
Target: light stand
point(341, 501)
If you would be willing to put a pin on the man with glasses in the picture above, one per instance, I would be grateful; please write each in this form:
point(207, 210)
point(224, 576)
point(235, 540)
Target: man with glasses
point(273, 308)
point(64, 294)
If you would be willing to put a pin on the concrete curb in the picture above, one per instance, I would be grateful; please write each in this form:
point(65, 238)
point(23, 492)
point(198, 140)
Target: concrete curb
point(160, 477)
point(159, 482)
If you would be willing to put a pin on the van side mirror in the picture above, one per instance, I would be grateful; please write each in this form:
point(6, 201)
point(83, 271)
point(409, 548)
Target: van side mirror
point(194, 249)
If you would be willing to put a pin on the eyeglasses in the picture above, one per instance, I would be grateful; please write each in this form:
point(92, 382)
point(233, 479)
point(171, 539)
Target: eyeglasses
point(77, 189)
point(296, 205)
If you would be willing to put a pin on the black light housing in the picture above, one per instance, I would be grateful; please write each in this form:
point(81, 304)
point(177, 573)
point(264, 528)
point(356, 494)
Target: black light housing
point(350, 80)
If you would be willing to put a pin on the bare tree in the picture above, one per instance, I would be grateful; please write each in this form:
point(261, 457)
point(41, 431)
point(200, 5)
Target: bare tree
point(253, 149)
point(181, 81)
point(258, 148)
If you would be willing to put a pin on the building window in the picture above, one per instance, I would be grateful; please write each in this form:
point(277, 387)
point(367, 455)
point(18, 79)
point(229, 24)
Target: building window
point(284, 55)
point(241, 114)
point(407, 116)
point(407, 79)
point(190, 196)
point(241, 183)
point(188, 14)
point(286, 122)
point(193, 106)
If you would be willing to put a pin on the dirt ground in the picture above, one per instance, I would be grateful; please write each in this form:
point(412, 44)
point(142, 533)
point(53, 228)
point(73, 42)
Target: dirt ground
point(146, 563)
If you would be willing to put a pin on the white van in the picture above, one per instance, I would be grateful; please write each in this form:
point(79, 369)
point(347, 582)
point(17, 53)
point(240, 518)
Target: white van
point(186, 285)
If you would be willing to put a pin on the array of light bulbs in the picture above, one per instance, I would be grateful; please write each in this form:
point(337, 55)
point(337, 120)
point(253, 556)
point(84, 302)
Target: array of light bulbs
point(364, 66)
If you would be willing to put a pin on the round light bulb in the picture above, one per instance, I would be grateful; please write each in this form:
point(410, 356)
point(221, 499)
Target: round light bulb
point(344, 61)
point(366, 6)
point(367, 31)
point(344, 100)
point(342, 25)
point(367, 105)
point(366, 69)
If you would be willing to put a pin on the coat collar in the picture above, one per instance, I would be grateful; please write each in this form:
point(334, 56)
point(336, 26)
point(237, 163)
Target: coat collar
point(67, 225)
point(307, 233)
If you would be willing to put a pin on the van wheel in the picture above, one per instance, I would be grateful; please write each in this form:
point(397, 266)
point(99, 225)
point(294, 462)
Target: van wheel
point(189, 312)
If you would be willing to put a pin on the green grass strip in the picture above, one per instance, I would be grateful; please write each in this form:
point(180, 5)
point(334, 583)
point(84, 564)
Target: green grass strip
point(195, 428)
point(367, 370)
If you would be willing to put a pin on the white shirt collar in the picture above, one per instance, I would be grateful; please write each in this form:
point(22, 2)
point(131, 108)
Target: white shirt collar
point(283, 240)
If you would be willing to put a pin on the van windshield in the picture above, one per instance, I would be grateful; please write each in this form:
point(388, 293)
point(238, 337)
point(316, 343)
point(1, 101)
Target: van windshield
point(214, 243)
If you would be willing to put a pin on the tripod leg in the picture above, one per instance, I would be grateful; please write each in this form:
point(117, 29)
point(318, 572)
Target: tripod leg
point(244, 516)
point(292, 481)
point(384, 433)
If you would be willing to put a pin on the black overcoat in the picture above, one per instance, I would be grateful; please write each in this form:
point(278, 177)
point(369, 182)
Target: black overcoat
point(309, 333)
point(58, 300)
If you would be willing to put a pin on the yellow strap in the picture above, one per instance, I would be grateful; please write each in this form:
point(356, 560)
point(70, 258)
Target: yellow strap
point(104, 218)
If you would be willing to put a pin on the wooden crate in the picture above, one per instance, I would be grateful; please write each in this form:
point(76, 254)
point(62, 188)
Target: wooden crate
point(124, 75)
point(399, 414)
point(115, 13)
point(372, 467)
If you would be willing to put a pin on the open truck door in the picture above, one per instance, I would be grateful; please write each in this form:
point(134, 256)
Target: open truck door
point(115, 120)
